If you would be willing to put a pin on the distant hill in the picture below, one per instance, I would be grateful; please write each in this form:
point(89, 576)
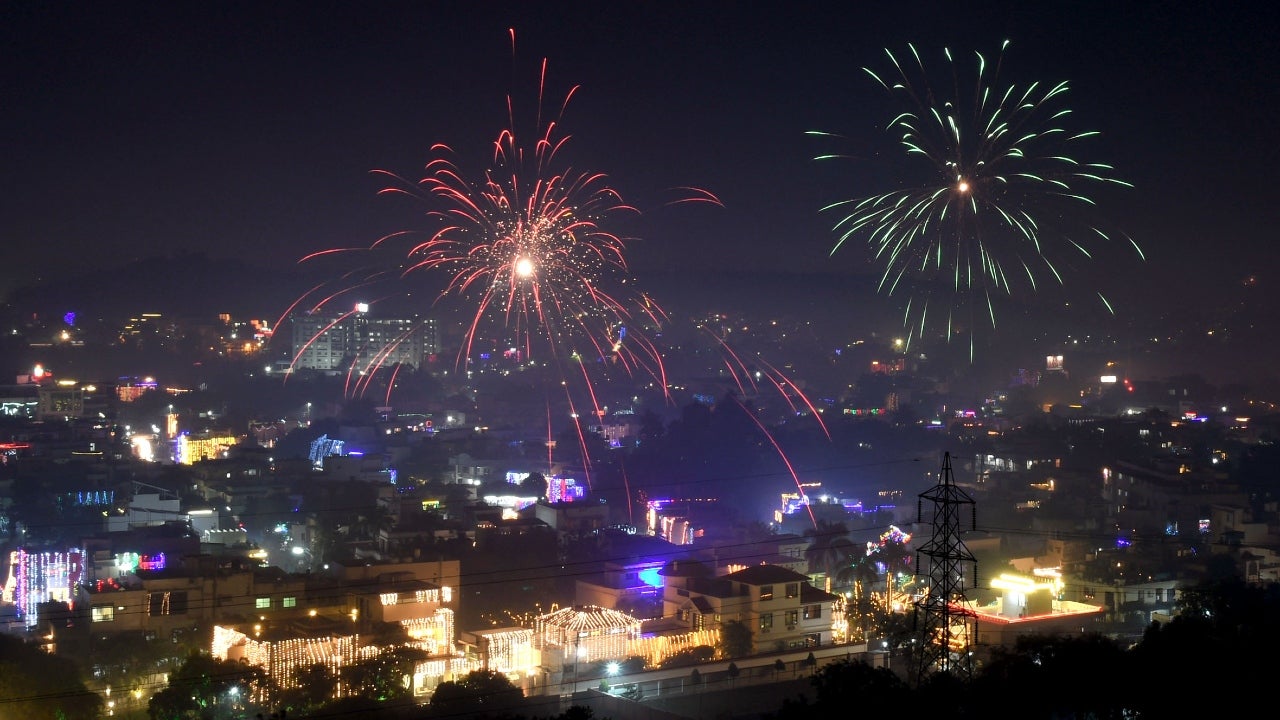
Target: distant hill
point(185, 285)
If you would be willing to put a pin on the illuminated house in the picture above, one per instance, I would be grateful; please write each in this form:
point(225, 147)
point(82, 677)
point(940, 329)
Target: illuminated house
point(357, 340)
point(420, 607)
point(584, 634)
point(564, 490)
point(113, 555)
point(619, 429)
point(634, 588)
point(1029, 606)
point(674, 519)
point(504, 650)
point(782, 609)
point(44, 576)
point(323, 447)
point(282, 651)
point(130, 389)
point(190, 449)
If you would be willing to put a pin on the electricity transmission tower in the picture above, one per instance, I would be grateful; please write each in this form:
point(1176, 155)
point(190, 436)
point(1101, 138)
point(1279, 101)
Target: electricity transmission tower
point(945, 626)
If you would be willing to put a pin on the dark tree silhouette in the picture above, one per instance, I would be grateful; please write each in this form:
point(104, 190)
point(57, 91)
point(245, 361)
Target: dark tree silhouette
point(37, 685)
point(479, 691)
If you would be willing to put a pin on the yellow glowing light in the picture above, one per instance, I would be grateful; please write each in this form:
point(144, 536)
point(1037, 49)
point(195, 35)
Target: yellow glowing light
point(962, 186)
point(524, 267)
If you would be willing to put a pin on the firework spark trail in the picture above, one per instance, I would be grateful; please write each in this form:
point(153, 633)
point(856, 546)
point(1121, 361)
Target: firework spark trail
point(322, 331)
point(733, 372)
point(551, 437)
point(781, 381)
point(386, 401)
point(581, 434)
point(782, 455)
point(983, 221)
point(288, 312)
point(731, 360)
point(378, 359)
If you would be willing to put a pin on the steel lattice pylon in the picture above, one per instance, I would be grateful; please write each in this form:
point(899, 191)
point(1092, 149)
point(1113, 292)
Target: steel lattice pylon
point(945, 627)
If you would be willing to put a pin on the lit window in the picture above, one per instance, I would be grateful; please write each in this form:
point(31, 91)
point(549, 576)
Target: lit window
point(793, 590)
point(766, 592)
point(104, 613)
point(766, 621)
point(290, 602)
point(263, 603)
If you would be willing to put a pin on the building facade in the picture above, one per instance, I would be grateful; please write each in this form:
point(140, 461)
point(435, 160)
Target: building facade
point(327, 344)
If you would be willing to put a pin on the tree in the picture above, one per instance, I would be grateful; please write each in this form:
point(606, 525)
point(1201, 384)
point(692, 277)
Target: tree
point(313, 686)
point(481, 690)
point(534, 484)
point(736, 639)
point(126, 660)
point(862, 575)
point(1092, 665)
point(692, 656)
point(206, 687)
point(35, 685)
point(845, 684)
point(825, 551)
point(384, 676)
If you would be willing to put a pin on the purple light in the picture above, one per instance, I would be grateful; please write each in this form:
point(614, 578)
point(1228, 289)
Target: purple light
point(651, 576)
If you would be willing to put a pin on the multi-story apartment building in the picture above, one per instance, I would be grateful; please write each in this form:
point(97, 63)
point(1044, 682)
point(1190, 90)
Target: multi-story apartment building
point(1155, 503)
point(328, 344)
point(206, 589)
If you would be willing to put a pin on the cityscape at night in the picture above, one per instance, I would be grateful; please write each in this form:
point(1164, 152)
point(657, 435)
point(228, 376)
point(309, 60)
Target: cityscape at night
point(423, 360)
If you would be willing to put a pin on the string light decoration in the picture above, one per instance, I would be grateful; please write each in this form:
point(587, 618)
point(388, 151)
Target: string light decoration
point(657, 648)
point(587, 633)
point(281, 659)
point(507, 650)
point(435, 634)
point(189, 450)
point(36, 577)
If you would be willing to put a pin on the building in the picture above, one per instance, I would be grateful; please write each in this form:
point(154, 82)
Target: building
point(1028, 606)
point(572, 638)
point(356, 339)
point(780, 607)
point(1154, 503)
point(634, 588)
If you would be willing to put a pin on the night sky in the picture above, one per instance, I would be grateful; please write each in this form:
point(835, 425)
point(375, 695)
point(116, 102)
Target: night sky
point(249, 130)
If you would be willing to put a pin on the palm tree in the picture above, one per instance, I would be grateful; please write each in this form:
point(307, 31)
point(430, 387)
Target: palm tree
point(862, 575)
point(824, 551)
